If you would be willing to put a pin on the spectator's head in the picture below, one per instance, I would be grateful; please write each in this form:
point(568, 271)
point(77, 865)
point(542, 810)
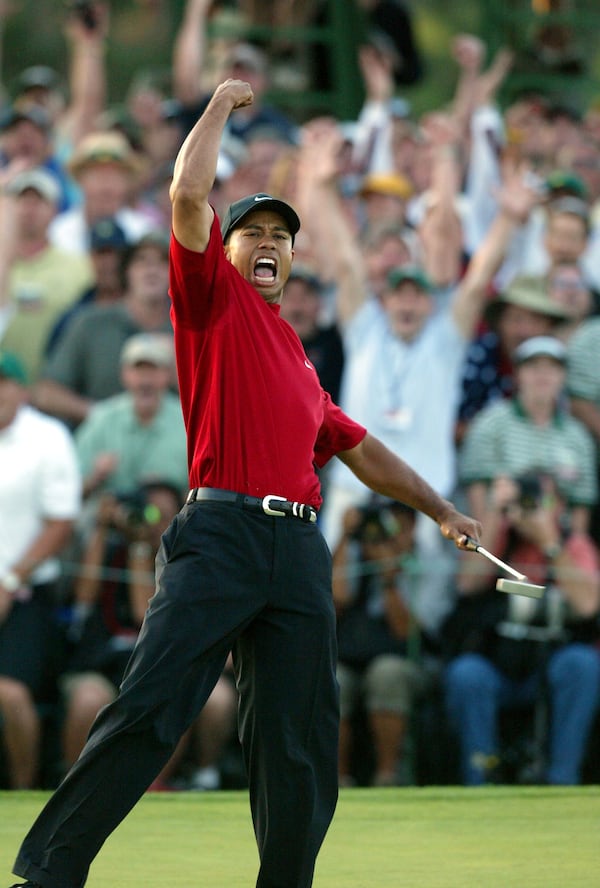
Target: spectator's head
point(386, 247)
point(147, 365)
point(107, 171)
point(384, 197)
point(26, 132)
point(408, 301)
point(107, 246)
point(42, 86)
point(301, 304)
point(38, 195)
point(384, 528)
point(567, 287)
point(565, 183)
point(146, 270)
point(244, 61)
point(524, 309)
point(567, 229)
point(13, 387)
point(582, 158)
point(540, 372)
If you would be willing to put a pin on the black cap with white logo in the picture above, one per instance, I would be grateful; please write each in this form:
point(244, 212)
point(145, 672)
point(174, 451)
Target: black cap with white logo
point(246, 205)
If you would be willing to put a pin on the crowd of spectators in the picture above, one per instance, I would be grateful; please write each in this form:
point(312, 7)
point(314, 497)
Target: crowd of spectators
point(446, 287)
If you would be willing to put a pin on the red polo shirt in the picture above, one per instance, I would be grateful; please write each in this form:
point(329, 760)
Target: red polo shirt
point(257, 419)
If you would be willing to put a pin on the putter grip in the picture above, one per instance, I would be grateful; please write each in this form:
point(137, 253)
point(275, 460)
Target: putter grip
point(471, 545)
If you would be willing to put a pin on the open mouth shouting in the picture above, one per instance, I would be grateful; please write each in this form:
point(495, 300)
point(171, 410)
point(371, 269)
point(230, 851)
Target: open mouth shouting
point(264, 271)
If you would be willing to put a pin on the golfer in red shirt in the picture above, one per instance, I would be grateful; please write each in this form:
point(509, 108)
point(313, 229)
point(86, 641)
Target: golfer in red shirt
point(244, 566)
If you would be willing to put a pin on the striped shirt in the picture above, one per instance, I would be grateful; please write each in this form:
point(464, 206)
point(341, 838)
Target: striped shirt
point(583, 379)
point(502, 440)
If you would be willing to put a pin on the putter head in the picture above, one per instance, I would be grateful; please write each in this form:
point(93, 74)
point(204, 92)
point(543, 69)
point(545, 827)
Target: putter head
point(518, 587)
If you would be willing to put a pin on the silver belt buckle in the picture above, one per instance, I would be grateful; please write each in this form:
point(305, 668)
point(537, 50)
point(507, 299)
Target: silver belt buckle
point(267, 508)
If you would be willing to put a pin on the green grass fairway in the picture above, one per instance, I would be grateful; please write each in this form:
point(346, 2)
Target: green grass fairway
point(434, 837)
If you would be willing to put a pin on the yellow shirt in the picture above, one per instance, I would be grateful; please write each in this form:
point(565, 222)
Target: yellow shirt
point(41, 289)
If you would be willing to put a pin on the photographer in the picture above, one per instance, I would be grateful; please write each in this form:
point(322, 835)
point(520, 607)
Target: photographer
point(110, 599)
point(375, 583)
point(528, 470)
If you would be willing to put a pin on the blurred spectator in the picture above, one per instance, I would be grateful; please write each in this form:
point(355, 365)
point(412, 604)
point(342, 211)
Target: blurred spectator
point(303, 308)
point(108, 172)
point(559, 234)
point(375, 587)
point(26, 135)
point(73, 106)
point(240, 60)
point(42, 280)
point(39, 501)
point(404, 351)
point(583, 382)
point(138, 435)
point(110, 599)
point(567, 287)
point(385, 26)
point(107, 248)
point(383, 199)
point(528, 467)
point(84, 365)
point(522, 310)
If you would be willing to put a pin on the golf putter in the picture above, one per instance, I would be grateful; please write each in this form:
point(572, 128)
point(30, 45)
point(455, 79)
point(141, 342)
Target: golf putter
point(517, 586)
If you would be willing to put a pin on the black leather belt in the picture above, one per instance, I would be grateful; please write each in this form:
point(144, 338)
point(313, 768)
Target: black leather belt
point(270, 504)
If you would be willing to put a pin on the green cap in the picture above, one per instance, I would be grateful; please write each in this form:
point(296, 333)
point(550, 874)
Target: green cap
point(411, 273)
point(565, 180)
point(12, 368)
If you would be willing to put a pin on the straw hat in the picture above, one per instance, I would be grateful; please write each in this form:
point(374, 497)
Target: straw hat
point(104, 148)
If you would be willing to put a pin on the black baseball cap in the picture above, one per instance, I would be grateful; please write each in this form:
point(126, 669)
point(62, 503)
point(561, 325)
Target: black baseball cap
point(246, 205)
point(107, 234)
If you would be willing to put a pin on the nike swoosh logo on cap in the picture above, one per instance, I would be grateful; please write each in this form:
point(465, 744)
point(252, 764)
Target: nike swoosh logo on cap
point(262, 198)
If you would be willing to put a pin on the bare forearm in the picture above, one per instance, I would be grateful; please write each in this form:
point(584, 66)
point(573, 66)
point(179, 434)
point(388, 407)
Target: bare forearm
point(385, 473)
point(50, 541)
point(196, 164)
point(189, 52)
point(58, 400)
point(88, 87)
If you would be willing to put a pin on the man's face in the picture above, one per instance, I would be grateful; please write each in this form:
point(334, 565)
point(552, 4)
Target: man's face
point(540, 380)
point(34, 214)
point(147, 383)
point(408, 307)
point(301, 307)
point(516, 324)
point(148, 273)
point(566, 237)
point(260, 248)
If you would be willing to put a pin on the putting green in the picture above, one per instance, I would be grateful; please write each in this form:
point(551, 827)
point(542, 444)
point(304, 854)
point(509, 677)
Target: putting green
point(436, 837)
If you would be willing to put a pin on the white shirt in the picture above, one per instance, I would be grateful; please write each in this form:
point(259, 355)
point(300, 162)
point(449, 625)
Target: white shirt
point(69, 230)
point(39, 479)
point(406, 394)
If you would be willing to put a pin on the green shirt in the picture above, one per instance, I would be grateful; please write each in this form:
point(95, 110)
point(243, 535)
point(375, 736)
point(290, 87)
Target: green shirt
point(502, 440)
point(146, 452)
point(86, 358)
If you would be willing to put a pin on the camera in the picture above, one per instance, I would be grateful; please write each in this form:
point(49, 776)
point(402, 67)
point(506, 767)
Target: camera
point(84, 10)
point(379, 523)
point(135, 511)
point(530, 493)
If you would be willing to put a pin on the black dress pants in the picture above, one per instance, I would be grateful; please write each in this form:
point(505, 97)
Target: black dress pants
point(226, 580)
